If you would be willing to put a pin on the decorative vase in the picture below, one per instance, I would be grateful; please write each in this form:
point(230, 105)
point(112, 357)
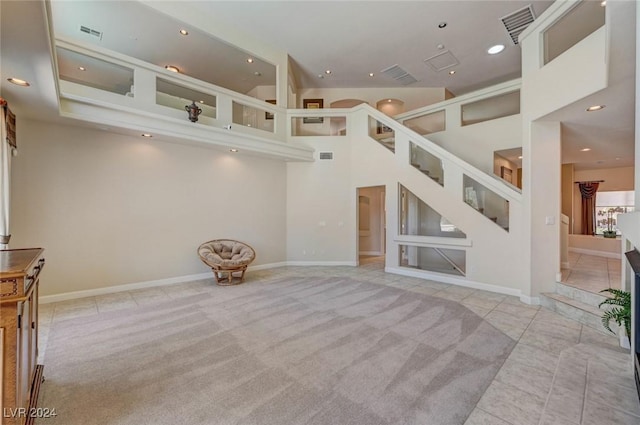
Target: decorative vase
point(193, 111)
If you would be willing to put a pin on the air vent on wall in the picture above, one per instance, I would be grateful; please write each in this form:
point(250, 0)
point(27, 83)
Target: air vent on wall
point(399, 74)
point(326, 155)
point(91, 31)
point(517, 22)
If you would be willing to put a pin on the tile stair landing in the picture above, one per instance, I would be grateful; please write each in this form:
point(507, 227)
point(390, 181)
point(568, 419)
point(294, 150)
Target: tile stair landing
point(577, 304)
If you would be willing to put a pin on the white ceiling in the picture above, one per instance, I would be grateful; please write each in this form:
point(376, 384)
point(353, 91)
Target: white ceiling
point(352, 38)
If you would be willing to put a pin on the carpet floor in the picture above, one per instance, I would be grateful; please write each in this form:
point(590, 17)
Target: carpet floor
point(292, 351)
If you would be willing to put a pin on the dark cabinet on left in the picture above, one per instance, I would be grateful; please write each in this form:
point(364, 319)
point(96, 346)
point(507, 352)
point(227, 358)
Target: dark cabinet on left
point(21, 375)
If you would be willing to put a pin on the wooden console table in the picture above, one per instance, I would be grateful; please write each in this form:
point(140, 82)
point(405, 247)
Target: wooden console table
point(21, 375)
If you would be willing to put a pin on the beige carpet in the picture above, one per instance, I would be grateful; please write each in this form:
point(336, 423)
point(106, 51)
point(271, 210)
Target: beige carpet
point(293, 351)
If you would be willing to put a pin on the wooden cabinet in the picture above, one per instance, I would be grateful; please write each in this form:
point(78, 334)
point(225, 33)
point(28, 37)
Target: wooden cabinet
point(21, 375)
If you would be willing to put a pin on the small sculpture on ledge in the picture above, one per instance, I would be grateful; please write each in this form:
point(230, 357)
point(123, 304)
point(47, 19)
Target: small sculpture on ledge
point(194, 111)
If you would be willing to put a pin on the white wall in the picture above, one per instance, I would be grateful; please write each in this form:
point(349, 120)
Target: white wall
point(111, 209)
point(321, 206)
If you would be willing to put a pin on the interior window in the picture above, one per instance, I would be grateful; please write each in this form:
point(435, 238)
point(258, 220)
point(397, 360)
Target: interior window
point(609, 205)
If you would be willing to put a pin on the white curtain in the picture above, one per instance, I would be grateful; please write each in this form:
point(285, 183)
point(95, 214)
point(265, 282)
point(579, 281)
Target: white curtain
point(5, 173)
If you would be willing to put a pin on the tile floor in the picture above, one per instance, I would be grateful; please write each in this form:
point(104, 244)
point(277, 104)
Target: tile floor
point(560, 372)
point(592, 273)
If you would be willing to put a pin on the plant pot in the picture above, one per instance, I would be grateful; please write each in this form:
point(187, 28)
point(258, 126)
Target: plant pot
point(624, 339)
point(609, 234)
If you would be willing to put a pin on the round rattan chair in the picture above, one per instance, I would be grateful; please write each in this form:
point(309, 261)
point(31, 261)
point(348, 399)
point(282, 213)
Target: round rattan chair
point(226, 257)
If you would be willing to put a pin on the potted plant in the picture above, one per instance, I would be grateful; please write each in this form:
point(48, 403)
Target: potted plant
point(609, 233)
point(620, 313)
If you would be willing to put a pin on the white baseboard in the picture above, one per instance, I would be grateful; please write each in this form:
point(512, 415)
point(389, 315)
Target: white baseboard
point(596, 253)
point(46, 299)
point(530, 300)
point(453, 280)
point(322, 263)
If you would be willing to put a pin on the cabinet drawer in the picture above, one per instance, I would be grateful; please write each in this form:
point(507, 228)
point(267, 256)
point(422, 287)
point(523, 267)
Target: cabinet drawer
point(8, 287)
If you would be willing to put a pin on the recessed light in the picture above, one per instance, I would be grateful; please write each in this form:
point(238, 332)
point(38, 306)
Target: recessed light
point(233, 150)
point(184, 32)
point(201, 101)
point(328, 71)
point(595, 108)
point(371, 74)
point(320, 76)
point(257, 74)
point(494, 50)
point(82, 68)
point(249, 60)
point(452, 72)
point(172, 68)
point(146, 135)
point(520, 157)
point(389, 100)
point(585, 149)
point(19, 82)
point(442, 25)
point(603, 3)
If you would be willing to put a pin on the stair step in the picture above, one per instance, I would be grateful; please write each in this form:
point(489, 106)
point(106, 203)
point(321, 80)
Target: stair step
point(579, 294)
point(579, 311)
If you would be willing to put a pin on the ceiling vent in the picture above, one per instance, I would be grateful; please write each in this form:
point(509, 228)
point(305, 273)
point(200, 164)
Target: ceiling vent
point(91, 32)
point(442, 61)
point(326, 155)
point(517, 22)
point(399, 74)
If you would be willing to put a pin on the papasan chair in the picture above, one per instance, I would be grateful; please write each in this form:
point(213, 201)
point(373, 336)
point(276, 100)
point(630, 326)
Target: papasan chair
point(226, 257)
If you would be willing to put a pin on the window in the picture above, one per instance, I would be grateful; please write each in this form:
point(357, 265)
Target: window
point(609, 205)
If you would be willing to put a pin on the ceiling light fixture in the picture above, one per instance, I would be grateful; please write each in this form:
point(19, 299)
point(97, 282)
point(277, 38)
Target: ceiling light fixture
point(249, 60)
point(184, 32)
point(603, 3)
point(494, 50)
point(371, 74)
point(320, 76)
point(595, 108)
point(18, 82)
point(172, 68)
point(452, 72)
point(442, 25)
point(233, 150)
point(146, 135)
point(328, 71)
point(585, 149)
point(520, 157)
point(82, 68)
point(389, 100)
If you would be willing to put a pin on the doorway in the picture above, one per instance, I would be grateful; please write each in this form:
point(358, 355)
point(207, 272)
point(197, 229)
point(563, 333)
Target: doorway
point(372, 228)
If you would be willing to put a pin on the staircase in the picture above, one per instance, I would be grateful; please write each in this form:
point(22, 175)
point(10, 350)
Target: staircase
point(577, 304)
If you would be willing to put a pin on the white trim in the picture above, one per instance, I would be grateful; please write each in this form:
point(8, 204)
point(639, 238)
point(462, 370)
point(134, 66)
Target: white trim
point(530, 300)
point(46, 299)
point(453, 280)
point(371, 253)
point(429, 241)
point(322, 263)
point(596, 253)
